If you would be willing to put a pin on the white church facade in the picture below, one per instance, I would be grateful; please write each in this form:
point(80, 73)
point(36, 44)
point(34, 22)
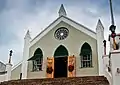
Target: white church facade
point(66, 49)
point(60, 41)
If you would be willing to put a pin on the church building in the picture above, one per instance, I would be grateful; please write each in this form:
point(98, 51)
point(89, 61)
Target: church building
point(63, 49)
point(64, 53)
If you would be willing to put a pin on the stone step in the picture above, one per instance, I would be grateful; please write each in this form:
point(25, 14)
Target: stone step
point(87, 80)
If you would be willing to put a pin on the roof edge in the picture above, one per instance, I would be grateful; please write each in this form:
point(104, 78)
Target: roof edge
point(81, 25)
point(64, 19)
point(45, 29)
point(15, 66)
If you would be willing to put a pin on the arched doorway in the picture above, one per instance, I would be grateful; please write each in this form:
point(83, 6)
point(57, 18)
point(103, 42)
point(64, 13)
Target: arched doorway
point(60, 62)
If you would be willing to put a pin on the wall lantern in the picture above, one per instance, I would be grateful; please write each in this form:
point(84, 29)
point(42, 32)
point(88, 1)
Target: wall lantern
point(118, 70)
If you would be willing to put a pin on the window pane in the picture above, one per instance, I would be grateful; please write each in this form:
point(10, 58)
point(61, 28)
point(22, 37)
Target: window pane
point(88, 63)
point(84, 57)
point(37, 65)
point(83, 63)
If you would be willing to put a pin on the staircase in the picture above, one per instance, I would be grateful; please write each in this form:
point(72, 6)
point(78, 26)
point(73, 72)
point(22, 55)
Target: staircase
point(88, 80)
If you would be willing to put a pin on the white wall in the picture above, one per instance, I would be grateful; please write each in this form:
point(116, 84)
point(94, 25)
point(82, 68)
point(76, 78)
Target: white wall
point(2, 78)
point(73, 44)
point(106, 64)
point(115, 60)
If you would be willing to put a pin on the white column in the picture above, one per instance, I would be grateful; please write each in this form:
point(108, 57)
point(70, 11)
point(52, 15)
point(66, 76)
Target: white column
point(8, 69)
point(100, 47)
point(115, 63)
point(25, 55)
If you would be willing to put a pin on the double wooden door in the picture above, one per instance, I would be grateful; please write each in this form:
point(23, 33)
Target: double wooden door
point(61, 67)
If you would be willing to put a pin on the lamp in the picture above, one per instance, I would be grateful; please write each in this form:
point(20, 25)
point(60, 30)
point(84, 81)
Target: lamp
point(118, 70)
point(113, 35)
point(112, 28)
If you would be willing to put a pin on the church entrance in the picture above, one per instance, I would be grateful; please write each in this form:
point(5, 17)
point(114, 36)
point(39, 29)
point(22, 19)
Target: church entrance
point(60, 62)
point(60, 67)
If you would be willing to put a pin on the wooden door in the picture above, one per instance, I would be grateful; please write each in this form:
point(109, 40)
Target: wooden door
point(50, 67)
point(71, 66)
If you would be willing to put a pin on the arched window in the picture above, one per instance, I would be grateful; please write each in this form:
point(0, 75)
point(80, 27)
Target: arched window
point(37, 60)
point(86, 55)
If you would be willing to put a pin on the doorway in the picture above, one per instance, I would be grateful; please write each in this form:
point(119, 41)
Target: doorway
point(60, 67)
point(60, 62)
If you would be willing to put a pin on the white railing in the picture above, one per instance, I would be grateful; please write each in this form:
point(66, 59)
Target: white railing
point(108, 76)
point(2, 77)
point(107, 73)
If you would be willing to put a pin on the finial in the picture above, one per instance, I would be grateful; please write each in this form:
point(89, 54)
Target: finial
point(99, 23)
point(62, 11)
point(27, 34)
point(10, 56)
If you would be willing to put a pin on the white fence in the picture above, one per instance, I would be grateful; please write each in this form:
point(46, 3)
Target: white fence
point(2, 77)
point(107, 73)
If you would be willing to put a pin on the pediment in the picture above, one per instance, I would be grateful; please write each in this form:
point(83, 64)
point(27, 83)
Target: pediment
point(68, 21)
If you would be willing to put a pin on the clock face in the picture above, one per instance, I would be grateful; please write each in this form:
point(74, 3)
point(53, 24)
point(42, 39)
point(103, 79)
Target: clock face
point(61, 33)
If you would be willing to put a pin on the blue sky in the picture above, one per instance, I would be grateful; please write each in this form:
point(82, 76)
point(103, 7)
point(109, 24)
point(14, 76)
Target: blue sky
point(17, 16)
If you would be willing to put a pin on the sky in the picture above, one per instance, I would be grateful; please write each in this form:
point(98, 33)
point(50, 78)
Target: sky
point(17, 16)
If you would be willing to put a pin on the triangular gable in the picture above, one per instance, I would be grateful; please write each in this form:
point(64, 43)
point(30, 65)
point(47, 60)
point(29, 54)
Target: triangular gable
point(68, 21)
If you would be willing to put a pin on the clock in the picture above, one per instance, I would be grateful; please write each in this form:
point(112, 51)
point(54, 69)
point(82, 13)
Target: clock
point(61, 33)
